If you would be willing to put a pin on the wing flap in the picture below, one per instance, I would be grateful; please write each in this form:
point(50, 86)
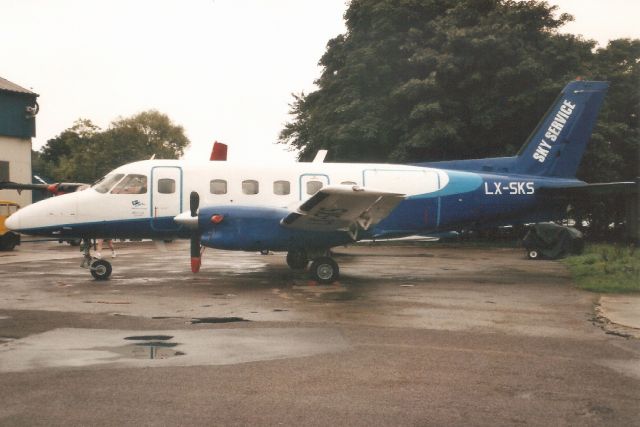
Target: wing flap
point(343, 207)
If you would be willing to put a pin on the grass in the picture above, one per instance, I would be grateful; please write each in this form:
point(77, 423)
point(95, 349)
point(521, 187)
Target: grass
point(607, 268)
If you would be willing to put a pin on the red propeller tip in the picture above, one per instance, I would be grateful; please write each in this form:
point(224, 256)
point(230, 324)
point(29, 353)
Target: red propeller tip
point(195, 264)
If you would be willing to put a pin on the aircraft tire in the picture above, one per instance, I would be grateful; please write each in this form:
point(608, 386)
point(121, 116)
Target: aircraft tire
point(324, 270)
point(8, 241)
point(533, 254)
point(100, 269)
point(297, 260)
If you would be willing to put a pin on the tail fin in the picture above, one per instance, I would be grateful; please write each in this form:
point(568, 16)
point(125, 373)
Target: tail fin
point(557, 144)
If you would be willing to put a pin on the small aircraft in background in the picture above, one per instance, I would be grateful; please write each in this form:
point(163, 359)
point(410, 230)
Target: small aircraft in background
point(57, 189)
point(306, 208)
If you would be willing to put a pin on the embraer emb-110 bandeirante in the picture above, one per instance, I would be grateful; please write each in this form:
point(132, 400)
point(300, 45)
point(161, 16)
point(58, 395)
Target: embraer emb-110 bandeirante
point(308, 208)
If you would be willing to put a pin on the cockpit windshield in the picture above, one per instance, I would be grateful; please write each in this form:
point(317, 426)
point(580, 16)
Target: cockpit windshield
point(103, 185)
point(131, 184)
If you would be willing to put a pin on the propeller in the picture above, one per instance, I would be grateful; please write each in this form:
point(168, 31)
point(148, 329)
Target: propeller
point(196, 260)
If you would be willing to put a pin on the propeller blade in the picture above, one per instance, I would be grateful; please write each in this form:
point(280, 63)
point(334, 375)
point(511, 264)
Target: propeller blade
point(196, 259)
point(194, 203)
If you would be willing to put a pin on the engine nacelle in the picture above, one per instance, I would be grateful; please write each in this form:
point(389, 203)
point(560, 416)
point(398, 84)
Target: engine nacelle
point(254, 228)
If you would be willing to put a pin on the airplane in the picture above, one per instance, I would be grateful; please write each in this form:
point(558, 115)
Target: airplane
point(57, 189)
point(306, 208)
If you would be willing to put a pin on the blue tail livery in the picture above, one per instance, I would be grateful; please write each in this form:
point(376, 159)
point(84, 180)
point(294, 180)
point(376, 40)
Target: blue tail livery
point(556, 146)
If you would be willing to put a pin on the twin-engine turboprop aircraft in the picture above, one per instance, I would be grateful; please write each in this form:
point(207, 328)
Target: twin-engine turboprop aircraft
point(308, 208)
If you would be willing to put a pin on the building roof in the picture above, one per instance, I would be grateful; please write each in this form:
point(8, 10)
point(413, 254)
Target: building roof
point(6, 85)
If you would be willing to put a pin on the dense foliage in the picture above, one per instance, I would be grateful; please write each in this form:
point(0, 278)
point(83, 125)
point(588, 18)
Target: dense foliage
point(84, 152)
point(428, 80)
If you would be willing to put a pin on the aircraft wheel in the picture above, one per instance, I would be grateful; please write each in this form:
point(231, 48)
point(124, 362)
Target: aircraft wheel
point(100, 269)
point(297, 260)
point(533, 254)
point(324, 270)
point(8, 241)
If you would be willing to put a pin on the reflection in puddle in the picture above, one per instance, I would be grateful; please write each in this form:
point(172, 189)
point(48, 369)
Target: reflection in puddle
point(217, 320)
point(153, 347)
point(146, 350)
point(150, 337)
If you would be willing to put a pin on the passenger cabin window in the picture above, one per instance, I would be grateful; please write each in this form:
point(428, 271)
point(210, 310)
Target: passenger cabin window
point(131, 184)
point(218, 186)
point(105, 184)
point(166, 186)
point(348, 183)
point(313, 186)
point(281, 188)
point(250, 186)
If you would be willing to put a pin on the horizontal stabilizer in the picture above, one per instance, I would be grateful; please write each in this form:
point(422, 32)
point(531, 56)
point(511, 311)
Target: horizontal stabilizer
point(343, 207)
point(592, 191)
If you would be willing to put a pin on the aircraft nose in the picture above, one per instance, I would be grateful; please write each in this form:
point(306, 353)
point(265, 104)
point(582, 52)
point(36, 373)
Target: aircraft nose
point(13, 222)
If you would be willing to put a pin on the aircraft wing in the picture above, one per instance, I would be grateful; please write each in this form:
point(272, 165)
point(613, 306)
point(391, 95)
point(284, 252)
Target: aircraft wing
point(592, 190)
point(343, 207)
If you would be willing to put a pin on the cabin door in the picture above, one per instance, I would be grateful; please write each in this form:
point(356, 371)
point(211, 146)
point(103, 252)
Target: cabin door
point(166, 197)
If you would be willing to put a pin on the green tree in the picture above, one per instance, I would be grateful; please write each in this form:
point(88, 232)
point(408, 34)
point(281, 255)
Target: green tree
point(428, 80)
point(148, 133)
point(84, 152)
point(612, 154)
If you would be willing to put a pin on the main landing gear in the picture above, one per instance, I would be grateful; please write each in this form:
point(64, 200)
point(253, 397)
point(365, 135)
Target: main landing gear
point(323, 268)
point(100, 269)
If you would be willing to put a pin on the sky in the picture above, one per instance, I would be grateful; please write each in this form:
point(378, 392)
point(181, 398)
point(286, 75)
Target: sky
point(223, 69)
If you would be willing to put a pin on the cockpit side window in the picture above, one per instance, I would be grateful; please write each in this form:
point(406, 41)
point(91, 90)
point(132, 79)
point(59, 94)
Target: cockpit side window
point(131, 184)
point(105, 184)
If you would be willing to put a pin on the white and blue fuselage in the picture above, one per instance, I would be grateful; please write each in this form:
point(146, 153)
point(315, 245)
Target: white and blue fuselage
point(142, 199)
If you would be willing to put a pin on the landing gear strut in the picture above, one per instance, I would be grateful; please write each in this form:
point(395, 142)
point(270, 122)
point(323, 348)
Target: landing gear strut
point(100, 268)
point(297, 259)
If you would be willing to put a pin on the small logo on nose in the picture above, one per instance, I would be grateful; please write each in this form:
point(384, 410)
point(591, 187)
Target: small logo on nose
point(137, 204)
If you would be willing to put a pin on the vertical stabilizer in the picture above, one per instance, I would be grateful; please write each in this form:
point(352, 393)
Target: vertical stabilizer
point(556, 146)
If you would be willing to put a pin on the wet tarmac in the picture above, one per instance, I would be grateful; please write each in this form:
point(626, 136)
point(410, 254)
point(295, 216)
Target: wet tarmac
point(411, 335)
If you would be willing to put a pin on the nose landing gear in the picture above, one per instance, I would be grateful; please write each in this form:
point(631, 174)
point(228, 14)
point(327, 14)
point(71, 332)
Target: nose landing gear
point(100, 269)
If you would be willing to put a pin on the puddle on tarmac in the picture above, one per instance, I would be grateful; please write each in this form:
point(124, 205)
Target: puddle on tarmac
point(75, 347)
point(197, 320)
